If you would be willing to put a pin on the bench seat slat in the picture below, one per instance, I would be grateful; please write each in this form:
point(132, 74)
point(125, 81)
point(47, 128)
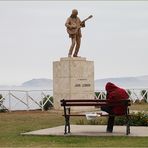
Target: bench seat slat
point(85, 100)
point(84, 104)
point(105, 115)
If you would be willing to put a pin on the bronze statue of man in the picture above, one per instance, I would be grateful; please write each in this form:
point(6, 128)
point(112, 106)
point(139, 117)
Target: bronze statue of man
point(74, 25)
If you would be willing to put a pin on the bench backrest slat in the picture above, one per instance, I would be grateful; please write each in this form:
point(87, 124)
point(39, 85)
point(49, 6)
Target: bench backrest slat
point(89, 102)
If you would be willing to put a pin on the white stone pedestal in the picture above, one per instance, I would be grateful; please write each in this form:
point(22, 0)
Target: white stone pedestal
point(73, 78)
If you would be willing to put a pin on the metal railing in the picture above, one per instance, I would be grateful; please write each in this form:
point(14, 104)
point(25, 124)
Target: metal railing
point(33, 99)
point(24, 100)
point(134, 94)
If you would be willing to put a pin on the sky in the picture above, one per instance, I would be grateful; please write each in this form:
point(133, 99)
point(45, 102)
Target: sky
point(33, 35)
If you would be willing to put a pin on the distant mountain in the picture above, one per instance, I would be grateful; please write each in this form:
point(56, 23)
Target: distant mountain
point(127, 82)
point(31, 84)
point(38, 83)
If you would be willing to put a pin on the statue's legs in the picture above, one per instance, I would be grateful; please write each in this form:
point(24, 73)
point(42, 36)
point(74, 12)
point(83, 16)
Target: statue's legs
point(73, 43)
point(78, 43)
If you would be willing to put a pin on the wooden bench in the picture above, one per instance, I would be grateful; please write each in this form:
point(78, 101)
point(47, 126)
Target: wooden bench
point(67, 104)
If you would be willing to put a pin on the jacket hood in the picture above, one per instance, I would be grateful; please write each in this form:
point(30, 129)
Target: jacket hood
point(110, 87)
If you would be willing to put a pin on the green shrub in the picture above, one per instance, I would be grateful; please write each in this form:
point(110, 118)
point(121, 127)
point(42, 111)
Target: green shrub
point(144, 94)
point(136, 119)
point(80, 122)
point(142, 101)
point(48, 104)
point(129, 92)
point(97, 121)
point(120, 120)
point(93, 122)
point(137, 101)
point(100, 95)
point(139, 119)
point(3, 110)
point(2, 107)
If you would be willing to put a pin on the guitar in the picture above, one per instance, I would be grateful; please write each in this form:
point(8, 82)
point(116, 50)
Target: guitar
point(75, 28)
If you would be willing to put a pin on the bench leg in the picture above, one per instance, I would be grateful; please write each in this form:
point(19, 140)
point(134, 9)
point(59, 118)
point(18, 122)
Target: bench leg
point(67, 121)
point(127, 125)
point(65, 130)
point(67, 125)
point(127, 122)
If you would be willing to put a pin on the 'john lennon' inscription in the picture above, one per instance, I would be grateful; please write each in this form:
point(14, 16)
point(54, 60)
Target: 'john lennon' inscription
point(78, 85)
point(86, 85)
point(82, 79)
point(82, 85)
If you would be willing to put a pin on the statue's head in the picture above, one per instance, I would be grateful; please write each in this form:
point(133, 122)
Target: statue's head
point(74, 13)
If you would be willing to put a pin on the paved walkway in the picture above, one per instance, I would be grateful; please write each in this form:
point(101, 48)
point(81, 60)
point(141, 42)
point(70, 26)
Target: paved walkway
point(91, 130)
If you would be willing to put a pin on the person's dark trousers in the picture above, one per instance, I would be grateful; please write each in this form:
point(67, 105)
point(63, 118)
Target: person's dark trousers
point(110, 123)
point(111, 118)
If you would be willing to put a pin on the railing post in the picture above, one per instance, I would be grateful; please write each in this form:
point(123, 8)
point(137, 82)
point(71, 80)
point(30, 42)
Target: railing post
point(101, 95)
point(42, 102)
point(9, 94)
point(147, 96)
point(27, 98)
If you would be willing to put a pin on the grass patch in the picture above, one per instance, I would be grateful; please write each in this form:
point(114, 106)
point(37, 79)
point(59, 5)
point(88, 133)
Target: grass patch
point(12, 124)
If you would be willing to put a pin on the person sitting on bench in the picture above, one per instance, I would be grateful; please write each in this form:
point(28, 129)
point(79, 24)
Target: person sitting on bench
point(114, 93)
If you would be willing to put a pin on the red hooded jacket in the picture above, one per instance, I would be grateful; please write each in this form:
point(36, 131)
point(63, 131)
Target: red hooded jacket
point(115, 93)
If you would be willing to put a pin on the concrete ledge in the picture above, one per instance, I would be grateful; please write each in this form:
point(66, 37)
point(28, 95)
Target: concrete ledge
point(73, 58)
point(91, 130)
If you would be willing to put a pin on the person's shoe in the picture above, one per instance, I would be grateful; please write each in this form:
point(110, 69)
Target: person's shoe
point(109, 131)
point(76, 56)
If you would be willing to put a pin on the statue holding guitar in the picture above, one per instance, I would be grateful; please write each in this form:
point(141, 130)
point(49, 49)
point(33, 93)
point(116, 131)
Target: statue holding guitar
point(74, 25)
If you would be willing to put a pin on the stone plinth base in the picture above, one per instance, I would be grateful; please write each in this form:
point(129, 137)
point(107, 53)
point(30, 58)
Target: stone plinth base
point(73, 78)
